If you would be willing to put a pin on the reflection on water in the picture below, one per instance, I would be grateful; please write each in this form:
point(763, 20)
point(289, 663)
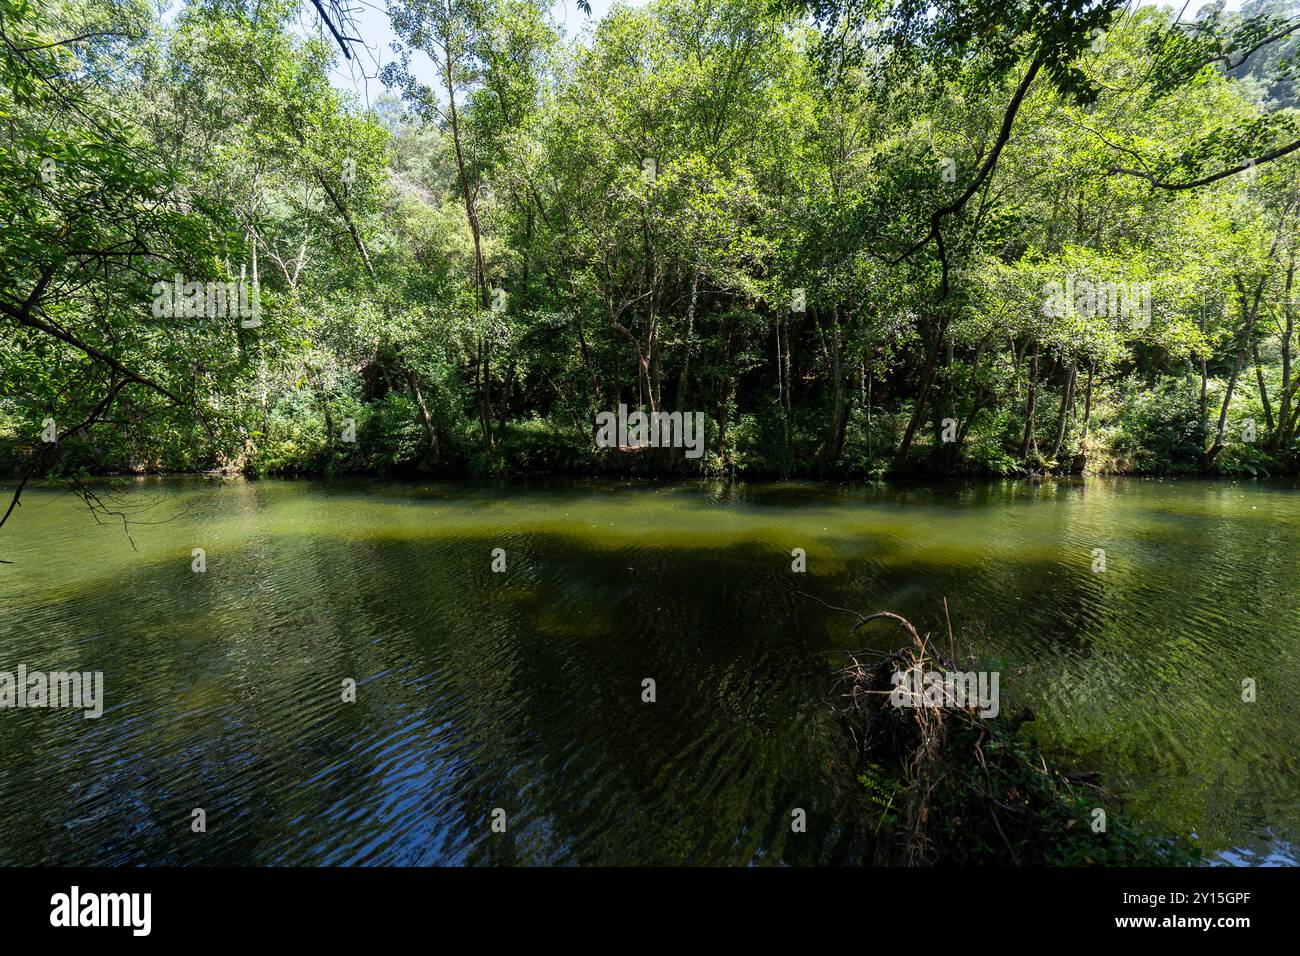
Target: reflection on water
point(522, 690)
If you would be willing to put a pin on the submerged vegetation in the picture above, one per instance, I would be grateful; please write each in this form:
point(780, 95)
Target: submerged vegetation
point(968, 237)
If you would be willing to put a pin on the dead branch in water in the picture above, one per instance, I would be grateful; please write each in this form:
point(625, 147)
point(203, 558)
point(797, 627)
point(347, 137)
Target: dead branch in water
point(914, 736)
point(966, 786)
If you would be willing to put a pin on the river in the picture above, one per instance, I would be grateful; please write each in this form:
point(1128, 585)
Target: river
point(518, 695)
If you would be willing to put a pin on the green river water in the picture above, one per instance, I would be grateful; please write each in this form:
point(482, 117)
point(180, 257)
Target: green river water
point(522, 689)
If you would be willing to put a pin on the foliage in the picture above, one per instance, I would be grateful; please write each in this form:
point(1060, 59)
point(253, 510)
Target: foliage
point(833, 228)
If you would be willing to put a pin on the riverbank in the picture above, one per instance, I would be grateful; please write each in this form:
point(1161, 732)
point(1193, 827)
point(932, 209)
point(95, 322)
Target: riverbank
point(664, 465)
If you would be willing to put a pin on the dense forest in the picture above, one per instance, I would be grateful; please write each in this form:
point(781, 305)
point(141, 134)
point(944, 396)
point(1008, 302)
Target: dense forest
point(861, 237)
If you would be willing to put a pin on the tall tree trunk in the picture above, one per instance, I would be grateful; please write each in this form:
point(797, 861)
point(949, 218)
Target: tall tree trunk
point(1284, 404)
point(685, 373)
point(483, 370)
point(503, 403)
point(725, 394)
point(471, 210)
point(944, 407)
point(788, 408)
point(781, 386)
point(868, 374)
point(1263, 389)
point(1030, 443)
point(1249, 312)
point(483, 390)
point(597, 395)
point(1203, 402)
point(1067, 399)
point(429, 431)
point(1087, 400)
point(923, 393)
point(978, 398)
point(834, 435)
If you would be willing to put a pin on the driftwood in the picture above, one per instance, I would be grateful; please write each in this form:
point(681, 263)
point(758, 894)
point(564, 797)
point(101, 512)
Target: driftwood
point(937, 752)
point(914, 737)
